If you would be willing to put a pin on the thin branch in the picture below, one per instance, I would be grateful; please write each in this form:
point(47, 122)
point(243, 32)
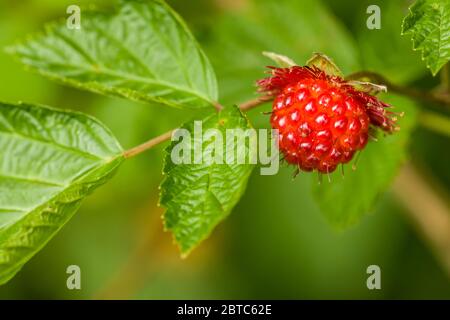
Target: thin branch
point(429, 120)
point(417, 196)
point(428, 210)
point(445, 79)
point(217, 106)
point(166, 136)
point(430, 97)
point(254, 103)
point(435, 122)
point(148, 145)
point(417, 94)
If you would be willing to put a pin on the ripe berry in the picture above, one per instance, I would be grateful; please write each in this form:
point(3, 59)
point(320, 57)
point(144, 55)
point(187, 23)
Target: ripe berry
point(322, 120)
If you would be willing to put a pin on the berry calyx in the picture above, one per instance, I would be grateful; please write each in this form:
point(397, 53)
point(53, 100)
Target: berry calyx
point(322, 120)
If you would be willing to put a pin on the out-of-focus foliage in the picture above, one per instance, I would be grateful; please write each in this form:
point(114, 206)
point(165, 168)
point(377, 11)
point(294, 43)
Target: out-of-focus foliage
point(385, 50)
point(275, 244)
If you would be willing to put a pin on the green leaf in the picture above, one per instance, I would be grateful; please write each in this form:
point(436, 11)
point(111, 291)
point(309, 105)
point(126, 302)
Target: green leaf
point(49, 162)
point(428, 23)
point(199, 196)
point(144, 52)
point(346, 199)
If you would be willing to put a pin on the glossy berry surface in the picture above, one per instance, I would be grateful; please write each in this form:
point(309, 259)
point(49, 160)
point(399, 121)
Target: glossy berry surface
point(322, 120)
point(320, 125)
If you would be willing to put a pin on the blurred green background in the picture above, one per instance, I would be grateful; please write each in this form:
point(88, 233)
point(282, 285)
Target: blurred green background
point(275, 244)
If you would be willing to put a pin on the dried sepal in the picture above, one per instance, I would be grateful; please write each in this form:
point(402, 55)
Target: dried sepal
point(323, 62)
point(282, 61)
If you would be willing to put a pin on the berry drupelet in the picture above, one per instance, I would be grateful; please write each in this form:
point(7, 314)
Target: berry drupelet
point(322, 120)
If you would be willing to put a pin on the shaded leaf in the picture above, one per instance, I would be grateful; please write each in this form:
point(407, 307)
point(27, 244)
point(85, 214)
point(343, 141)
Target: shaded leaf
point(49, 162)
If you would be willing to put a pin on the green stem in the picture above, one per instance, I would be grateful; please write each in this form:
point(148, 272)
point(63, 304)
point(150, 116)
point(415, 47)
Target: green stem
point(435, 122)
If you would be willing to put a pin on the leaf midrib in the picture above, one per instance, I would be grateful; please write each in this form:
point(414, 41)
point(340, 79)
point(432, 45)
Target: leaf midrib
point(72, 183)
point(126, 76)
point(54, 144)
point(32, 180)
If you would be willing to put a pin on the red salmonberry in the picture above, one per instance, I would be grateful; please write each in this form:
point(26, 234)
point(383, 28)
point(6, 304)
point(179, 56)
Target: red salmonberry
point(322, 120)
